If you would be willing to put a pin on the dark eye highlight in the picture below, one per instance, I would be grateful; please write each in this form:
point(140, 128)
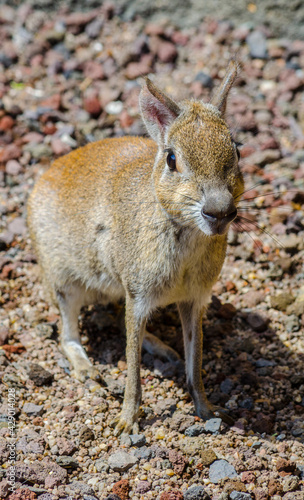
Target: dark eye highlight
point(237, 144)
point(171, 161)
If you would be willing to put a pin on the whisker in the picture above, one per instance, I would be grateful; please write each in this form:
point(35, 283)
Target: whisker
point(256, 242)
point(273, 193)
point(177, 204)
point(263, 231)
point(259, 209)
point(249, 189)
point(184, 195)
point(157, 225)
point(187, 217)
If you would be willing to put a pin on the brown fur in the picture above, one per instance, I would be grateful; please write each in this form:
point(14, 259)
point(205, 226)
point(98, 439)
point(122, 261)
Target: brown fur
point(111, 220)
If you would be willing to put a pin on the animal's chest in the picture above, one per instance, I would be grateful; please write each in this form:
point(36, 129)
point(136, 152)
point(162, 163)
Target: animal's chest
point(189, 276)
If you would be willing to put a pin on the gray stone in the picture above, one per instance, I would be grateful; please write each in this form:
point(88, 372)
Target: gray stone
point(144, 453)
point(138, 440)
point(213, 425)
point(17, 226)
point(196, 492)
point(32, 410)
point(67, 462)
point(122, 461)
point(256, 445)
point(220, 469)
point(257, 45)
point(125, 440)
point(239, 495)
point(194, 430)
point(281, 437)
point(79, 486)
point(227, 386)
point(262, 363)
point(204, 79)
point(101, 465)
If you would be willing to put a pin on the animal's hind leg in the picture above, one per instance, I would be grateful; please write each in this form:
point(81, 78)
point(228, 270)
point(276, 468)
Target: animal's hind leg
point(70, 300)
point(153, 345)
point(156, 347)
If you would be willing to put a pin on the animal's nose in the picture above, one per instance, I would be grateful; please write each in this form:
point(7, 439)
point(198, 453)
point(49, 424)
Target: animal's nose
point(215, 215)
point(218, 210)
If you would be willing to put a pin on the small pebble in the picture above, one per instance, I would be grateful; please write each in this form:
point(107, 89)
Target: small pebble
point(121, 461)
point(213, 425)
point(138, 440)
point(239, 495)
point(196, 492)
point(221, 469)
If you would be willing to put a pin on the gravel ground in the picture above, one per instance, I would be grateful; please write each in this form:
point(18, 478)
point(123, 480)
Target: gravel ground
point(71, 78)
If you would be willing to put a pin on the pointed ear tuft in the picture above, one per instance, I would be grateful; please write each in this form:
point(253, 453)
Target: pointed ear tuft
point(157, 109)
point(219, 99)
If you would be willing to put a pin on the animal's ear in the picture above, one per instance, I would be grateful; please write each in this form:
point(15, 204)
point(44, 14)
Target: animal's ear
point(219, 100)
point(157, 109)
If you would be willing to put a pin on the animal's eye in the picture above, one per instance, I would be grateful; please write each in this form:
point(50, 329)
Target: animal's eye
point(237, 144)
point(171, 161)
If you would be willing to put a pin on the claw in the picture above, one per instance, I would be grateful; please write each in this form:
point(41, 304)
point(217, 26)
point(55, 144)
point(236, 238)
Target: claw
point(220, 413)
point(124, 424)
point(209, 411)
point(90, 372)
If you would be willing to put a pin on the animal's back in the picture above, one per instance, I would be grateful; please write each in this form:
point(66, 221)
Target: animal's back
point(76, 196)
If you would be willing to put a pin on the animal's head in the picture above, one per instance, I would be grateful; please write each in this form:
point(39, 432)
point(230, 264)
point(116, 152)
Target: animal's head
point(196, 174)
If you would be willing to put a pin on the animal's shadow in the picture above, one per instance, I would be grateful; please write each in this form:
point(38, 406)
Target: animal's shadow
point(251, 373)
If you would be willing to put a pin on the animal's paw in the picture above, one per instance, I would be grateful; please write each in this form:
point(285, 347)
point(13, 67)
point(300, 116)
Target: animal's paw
point(83, 374)
point(171, 355)
point(208, 411)
point(220, 413)
point(125, 423)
